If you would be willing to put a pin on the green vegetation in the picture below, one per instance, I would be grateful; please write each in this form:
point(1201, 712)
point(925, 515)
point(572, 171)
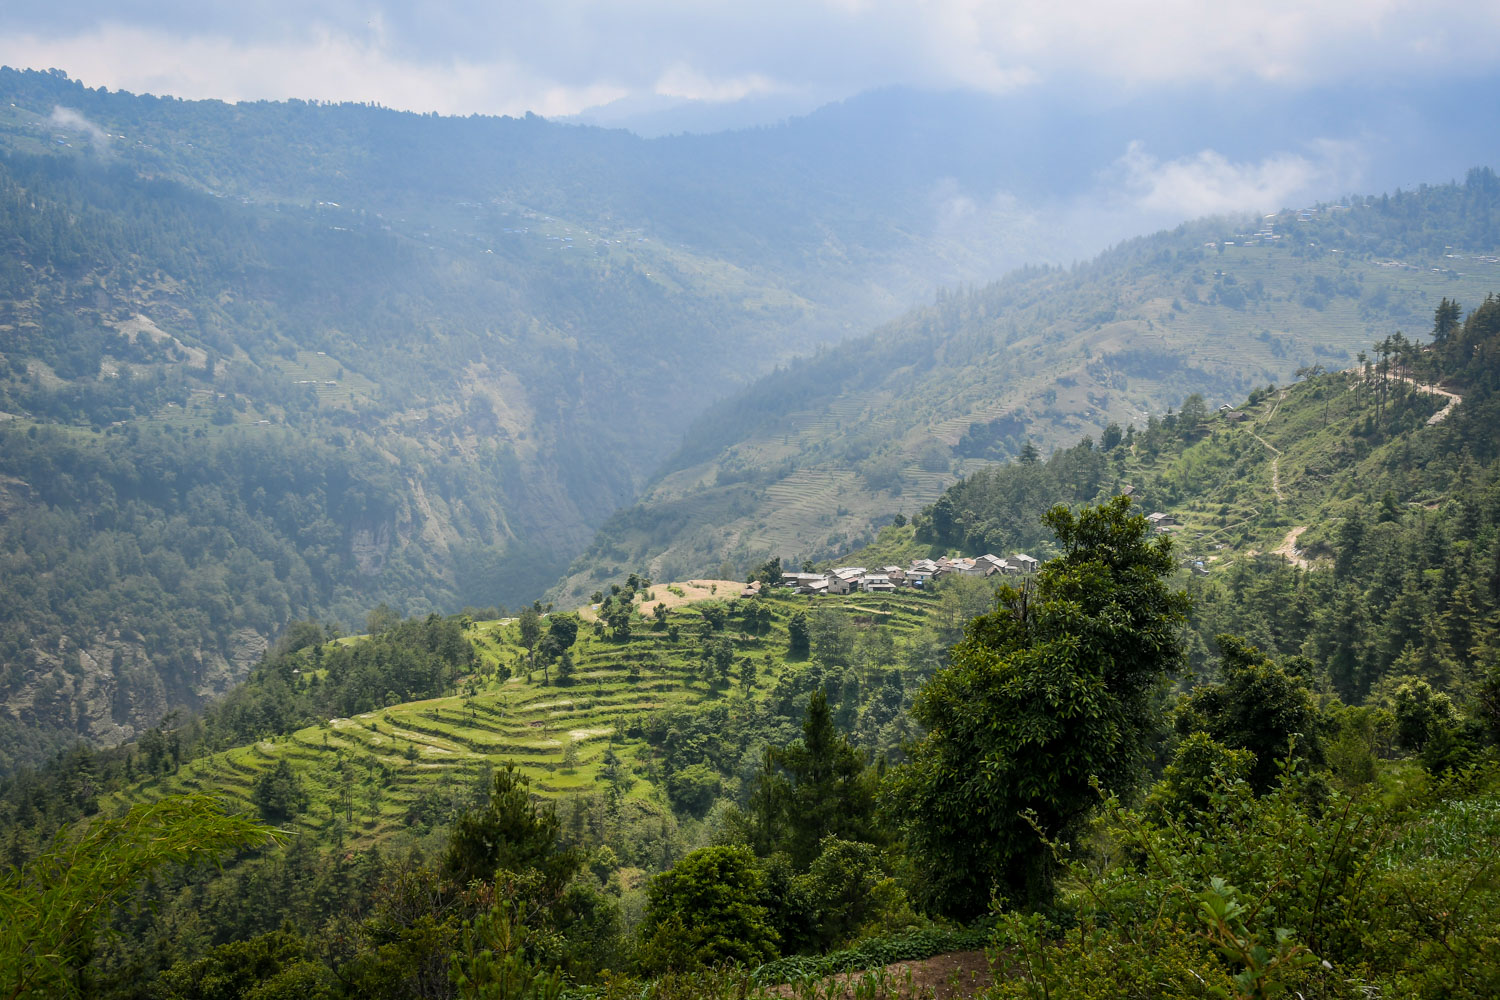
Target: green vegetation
point(58, 904)
point(274, 362)
point(1046, 695)
point(813, 459)
point(765, 844)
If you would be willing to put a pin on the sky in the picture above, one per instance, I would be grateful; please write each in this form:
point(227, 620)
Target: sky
point(1296, 100)
point(563, 57)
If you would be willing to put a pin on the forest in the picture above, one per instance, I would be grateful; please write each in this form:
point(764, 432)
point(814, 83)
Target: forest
point(814, 458)
point(1157, 768)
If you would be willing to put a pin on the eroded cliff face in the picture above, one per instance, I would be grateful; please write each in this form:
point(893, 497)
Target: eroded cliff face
point(112, 688)
point(369, 545)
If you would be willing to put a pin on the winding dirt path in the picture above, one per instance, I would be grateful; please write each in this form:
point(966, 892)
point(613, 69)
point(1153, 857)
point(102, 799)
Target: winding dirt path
point(1288, 549)
point(1275, 451)
point(1275, 466)
point(1453, 399)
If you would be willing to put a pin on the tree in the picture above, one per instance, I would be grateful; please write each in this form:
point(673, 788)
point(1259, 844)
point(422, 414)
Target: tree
point(1111, 437)
point(1259, 707)
point(817, 787)
point(707, 910)
point(512, 834)
point(493, 965)
point(52, 904)
point(799, 638)
point(1194, 414)
point(769, 573)
point(276, 964)
point(278, 793)
point(1445, 322)
point(832, 636)
point(1421, 713)
point(619, 619)
point(714, 614)
point(1045, 694)
point(530, 624)
point(562, 631)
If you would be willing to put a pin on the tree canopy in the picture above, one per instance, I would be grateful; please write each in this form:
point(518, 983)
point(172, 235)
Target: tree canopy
point(1045, 694)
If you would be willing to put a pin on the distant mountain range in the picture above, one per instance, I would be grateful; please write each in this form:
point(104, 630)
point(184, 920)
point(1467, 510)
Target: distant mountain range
point(273, 361)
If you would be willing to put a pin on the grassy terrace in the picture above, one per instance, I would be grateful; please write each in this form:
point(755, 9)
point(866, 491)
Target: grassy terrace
point(372, 770)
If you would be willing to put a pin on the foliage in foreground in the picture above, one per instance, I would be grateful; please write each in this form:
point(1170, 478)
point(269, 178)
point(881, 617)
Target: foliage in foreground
point(53, 904)
point(1304, 889)
point(1050, 690)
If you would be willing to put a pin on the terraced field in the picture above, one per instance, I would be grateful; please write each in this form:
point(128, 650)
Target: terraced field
point(380, 772)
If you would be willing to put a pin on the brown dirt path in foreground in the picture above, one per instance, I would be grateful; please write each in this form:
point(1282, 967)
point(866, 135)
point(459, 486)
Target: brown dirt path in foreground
point(957, 975)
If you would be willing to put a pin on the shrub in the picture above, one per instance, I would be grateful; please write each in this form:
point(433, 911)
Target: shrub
point(707, 910)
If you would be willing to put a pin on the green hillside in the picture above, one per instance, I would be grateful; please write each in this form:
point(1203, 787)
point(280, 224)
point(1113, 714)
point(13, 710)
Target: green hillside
point(812, 459)
point(1348, 518)
point(272, 361)
point(1374, 630)
point(382, 772)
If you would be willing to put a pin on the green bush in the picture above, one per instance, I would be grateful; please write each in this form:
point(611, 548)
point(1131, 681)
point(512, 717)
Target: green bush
point(707, 910)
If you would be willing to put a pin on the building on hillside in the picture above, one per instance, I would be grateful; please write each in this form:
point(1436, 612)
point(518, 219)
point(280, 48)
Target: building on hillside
point(845, 580)
point(970, 567)
point(1027, 564)
point(922, 572)
point(1159, 522)
point(994, 564)
point(876, 583)
point(896, 573)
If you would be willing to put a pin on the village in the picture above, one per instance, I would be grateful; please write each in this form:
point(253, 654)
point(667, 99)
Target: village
point(920, 574)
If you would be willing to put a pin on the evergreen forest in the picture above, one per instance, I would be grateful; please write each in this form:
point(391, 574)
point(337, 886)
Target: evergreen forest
point(1173, 762)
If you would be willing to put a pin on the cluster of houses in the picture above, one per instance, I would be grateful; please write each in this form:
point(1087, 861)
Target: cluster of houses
point(848, 579)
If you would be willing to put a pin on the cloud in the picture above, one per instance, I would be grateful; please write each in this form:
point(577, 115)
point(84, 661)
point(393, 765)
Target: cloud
point(68, 120)
point(556, 58)
point(1208, 183)
point(683, 82)
point(321, 66)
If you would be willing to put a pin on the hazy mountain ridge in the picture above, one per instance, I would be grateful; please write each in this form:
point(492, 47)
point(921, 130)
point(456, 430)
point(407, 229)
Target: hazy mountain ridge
point(806, 462)
point(456, 345)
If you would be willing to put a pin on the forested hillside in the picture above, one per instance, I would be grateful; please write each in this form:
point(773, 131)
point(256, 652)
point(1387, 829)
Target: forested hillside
point(811, 459)
point(714, 798)
point(274, 361)
point(1349, 518)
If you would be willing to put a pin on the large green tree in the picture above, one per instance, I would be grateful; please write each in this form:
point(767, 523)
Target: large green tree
point(1259, 706)
point(1051, 690)
point(817, 787)
point(515, 836)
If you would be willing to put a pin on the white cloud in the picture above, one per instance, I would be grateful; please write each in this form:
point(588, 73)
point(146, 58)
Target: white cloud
point(558, 57)
point(1208, 183)
point(69, 120)
point(684, 82)
point(322, 66)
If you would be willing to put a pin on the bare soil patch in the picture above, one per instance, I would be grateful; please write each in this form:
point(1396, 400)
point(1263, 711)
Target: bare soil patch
point(692, 590)
point(958, 974)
